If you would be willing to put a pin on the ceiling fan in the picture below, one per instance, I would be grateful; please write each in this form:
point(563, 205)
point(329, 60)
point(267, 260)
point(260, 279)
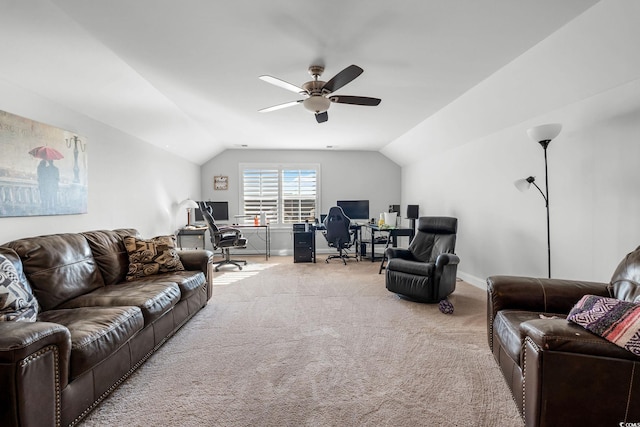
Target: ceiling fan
point(317, 94)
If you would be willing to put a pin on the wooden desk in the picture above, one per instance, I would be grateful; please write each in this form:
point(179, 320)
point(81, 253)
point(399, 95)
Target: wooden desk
point(393, 234)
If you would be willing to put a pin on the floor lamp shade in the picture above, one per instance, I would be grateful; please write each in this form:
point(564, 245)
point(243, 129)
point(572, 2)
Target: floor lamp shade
point(544, 132)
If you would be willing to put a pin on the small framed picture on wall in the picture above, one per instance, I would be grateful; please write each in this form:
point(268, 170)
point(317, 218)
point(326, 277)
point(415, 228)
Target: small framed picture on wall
point(220, 182)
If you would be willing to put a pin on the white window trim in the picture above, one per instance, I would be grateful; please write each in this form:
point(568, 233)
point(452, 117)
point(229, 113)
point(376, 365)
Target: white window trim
point(280, 167)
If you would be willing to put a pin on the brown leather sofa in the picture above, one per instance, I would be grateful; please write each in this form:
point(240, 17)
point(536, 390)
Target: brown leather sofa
point(559, 373)
point(93, 328)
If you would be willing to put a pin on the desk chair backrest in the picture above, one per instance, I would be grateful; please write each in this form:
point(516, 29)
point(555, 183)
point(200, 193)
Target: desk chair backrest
point(214, 231)
point(436, 235)
point(337, 225)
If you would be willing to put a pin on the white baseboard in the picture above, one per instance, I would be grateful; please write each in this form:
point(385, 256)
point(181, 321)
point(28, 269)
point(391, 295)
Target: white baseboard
point(475, 281)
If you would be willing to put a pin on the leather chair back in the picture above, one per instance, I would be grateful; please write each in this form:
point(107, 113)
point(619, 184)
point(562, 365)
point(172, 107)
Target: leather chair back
point(337, 225)
point(436, 235)
point(625, 282)
point(214, 231)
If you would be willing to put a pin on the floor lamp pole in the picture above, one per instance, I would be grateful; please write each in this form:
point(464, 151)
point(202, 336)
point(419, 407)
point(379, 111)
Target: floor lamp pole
point(545, 144)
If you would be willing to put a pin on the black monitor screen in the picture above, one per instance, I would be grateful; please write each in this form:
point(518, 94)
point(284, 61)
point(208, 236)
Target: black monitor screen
point(220, 211)
point(355, 209)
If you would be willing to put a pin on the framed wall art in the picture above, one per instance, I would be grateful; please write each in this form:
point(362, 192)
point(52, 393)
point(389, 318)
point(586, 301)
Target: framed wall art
point(220, 182)
point(43, 169)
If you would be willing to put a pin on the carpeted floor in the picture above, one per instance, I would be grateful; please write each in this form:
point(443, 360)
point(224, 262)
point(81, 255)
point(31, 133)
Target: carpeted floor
point(284, 344)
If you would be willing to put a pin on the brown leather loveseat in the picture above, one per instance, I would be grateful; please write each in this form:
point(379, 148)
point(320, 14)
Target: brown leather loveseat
point(560, 373)
point(96, 323)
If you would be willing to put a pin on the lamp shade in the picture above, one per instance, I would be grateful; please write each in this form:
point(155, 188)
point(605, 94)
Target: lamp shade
point(188, 204)
point(522, 184)
point(544, 132)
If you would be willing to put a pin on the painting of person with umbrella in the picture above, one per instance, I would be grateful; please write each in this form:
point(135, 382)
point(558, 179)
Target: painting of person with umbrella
point(48, 176)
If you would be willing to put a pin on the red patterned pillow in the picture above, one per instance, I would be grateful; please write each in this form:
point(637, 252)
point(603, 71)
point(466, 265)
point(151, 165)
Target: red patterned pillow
point(151, 256)
point(615, 320)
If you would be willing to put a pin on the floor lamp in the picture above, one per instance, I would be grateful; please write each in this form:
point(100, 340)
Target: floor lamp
point(543, 135)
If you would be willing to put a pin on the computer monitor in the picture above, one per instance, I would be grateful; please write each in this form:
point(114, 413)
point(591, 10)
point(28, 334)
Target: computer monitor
point(220, 211)
point(355, 209)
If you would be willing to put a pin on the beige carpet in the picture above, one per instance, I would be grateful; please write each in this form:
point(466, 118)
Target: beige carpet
point(284, 344)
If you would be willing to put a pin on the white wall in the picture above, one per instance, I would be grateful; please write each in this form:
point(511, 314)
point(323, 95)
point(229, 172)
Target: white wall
point(131, 183)
point(587, 77)
point(351, 175)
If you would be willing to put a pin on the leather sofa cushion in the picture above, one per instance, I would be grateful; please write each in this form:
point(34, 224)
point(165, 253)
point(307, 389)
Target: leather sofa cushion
point(507, 327)
point(188, 281)
point(59, 267)
point(625, 281)
point(153, 298)
point(109, 252)
point(96, 332)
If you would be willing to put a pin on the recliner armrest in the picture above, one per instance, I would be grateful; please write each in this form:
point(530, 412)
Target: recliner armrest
point(391, 253)
point(446, 259)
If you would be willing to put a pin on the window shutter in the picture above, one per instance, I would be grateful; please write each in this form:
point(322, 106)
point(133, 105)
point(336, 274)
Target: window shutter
point(298, 194)
point(260, 188)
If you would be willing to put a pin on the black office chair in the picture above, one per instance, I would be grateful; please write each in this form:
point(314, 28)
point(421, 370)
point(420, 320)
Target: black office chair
point(426, 271)
point(223, 238)
point(338, 233)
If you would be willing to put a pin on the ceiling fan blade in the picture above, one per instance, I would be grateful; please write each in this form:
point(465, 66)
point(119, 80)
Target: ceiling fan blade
point(355, 100)
point(322, 117)
point(342, 78)
point(281, 83)
point(280, 106)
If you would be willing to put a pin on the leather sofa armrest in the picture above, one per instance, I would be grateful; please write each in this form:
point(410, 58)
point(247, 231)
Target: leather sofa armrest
point(196, 259)
point(21, 340)
point(567, 337)
point(537, 295)
point(201, 260)
point(34, 369)
point(540, 295)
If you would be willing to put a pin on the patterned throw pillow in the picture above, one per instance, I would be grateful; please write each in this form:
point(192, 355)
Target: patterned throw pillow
point(17, 303)
point(151, 256)
point(615, 320)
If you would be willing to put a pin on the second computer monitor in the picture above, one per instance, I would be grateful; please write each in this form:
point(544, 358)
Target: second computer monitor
point(355, 209)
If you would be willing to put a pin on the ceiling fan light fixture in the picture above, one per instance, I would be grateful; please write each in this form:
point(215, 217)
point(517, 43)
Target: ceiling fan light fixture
point(316, 104)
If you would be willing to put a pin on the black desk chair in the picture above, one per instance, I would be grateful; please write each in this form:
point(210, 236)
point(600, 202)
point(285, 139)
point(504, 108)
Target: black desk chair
point(223, 238)
point(339, 234)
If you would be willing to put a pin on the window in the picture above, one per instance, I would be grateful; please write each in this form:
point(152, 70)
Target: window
point(285, 193)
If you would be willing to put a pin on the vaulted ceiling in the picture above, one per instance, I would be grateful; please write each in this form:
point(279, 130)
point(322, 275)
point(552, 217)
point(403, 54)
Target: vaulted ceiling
point(183, 75)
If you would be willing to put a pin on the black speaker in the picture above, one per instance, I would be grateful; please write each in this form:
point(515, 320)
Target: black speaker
point(412, 211)
point(394, 208)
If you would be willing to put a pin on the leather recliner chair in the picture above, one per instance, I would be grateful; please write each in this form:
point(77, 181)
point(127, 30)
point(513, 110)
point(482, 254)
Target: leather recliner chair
point(426, 271)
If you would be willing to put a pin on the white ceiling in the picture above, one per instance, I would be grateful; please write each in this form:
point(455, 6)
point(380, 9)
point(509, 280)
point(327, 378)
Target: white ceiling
point(183, 75)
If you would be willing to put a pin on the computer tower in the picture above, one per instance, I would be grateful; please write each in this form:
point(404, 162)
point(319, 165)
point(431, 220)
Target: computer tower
point(303, 246)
